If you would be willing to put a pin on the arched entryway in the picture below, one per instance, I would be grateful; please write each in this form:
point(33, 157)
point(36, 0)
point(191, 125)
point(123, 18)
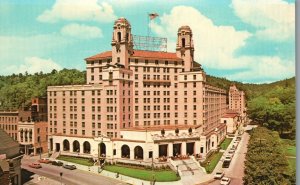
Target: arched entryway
point(102, 150)
point(190, 148)
point(86, 147)
point(76, 146)
point(138, 152)
point(176, 149)
point(66, 145)
point(125, 151)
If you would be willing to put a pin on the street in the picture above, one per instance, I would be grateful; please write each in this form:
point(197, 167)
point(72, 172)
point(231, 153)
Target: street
point(69, 177)
point(236, 168)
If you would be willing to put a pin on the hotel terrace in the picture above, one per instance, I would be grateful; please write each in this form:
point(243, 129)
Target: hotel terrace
point(138, 105)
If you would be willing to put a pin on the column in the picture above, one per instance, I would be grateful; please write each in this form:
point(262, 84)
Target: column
point(183, 148)
point(131, 154)
point(71, 146)
point(81, 148)
point(170, 149)
point(197, 147)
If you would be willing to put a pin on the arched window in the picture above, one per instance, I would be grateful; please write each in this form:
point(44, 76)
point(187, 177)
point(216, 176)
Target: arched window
point(125, 151)
point(183, 42)
point(86, 147)
point(119, 36)
point(66, 145)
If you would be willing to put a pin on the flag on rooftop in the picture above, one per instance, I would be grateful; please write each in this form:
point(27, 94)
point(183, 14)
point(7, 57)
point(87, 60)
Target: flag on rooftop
point(153, 15)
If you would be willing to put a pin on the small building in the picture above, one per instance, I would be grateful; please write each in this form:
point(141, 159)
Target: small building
point(10, 160)
point(232, 121)
point(33, 133)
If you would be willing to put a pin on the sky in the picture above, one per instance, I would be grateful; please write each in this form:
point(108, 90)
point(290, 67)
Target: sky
point(249, 41)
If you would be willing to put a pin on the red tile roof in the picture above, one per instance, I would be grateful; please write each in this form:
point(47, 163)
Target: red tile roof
point(230, 115)
point(139, 53)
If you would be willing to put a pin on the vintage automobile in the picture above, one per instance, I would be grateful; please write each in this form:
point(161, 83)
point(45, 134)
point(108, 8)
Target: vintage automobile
point(219, 175)
point(45, 160)
point(70, 167)
point(225, 181)
point(35, 165)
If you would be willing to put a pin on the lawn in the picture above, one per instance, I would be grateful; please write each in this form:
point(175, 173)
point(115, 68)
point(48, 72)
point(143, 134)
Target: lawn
point(289, 147)
point(213, 161)
point(225, 143)
point(160, 176)
point(292, 163)
point(77, 160)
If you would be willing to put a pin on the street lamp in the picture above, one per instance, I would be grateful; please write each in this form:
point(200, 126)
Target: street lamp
point(61, 174)
point(40, 146)
point(177, 170)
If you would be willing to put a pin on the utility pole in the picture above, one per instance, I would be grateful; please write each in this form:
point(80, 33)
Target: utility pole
point(40, 146)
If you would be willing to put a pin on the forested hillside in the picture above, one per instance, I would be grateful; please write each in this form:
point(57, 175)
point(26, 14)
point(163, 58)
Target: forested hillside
point(272, 105)
point(17, 90)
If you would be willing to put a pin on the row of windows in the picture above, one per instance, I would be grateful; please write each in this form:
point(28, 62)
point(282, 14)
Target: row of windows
point(165, 122)
point(74, 93)
point(8, 119)
point(8, 127)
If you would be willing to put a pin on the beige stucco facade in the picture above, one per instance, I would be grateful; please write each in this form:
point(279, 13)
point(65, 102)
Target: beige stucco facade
point(128, 90)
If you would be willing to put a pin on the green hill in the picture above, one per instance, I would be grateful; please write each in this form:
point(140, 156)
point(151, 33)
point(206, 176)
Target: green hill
point(272, 105)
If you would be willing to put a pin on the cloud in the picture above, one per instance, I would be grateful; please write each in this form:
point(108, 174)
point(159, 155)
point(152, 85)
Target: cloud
point(264, 69)
point(209, 39)
point(216, 47)
point(274, 20)
point(33, 65)
point(81, 31)
point(78, 10)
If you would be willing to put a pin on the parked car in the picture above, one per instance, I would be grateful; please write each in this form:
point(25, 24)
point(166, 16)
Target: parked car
point(226, 164)
point(219, 175)
point(70, 167)
point(228, 157)
point(45, 160)
point(231, 151)
point(35, 165)
point(225, 181)
point(57, 163)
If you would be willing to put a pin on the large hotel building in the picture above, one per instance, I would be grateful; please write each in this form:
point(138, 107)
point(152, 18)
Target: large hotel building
point(138, 104)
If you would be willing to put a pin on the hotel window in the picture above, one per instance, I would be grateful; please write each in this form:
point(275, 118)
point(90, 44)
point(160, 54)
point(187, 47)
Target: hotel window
point(195, 100)
point(83, 132)
point(176, 114)
point(136, 69)
point(92, 78)
point(185, 107)
point(82, 93)
point(194, 93)
point(195, 84)
point(136, 93)
point(185, 122)
point(195, 114)
point(195, 122)
point(185, 85)
point(175, 77)
point(136, 76)
point(166, 62)
point(146, 61)
point(93, 100)
point(92, 70)
point(194, 77)
point(175, 85)
point(176, 107)
point(118, 59)
point(136, 100)
point(136, 61)
point(156, 62)
point(82, 100)
point(82, 116)
point(195, 107)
